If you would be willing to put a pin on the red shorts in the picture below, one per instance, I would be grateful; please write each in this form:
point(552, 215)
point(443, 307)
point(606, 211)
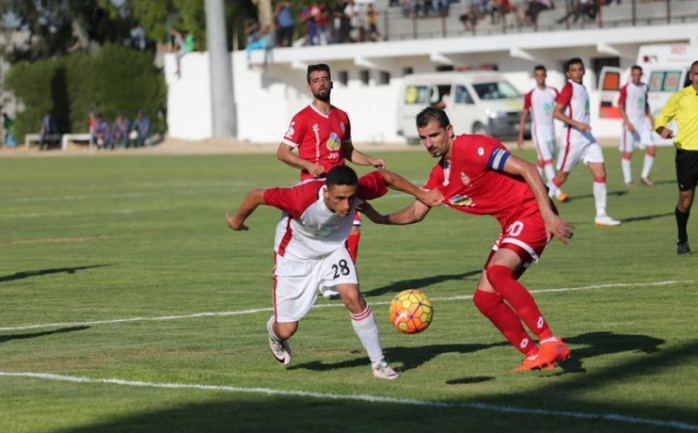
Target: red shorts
point(525, 235)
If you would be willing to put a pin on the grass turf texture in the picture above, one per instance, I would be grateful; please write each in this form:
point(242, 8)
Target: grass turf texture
point(105, 238)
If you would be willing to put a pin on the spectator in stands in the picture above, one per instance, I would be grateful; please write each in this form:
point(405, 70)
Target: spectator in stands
point(284, 24)
point(371, 23)
point(120, 130)
point(141, 128)
point(102, 134)
point(471, 16)
point(322, 19)
point(183, 43)
point(48, 127)
point(259, 40)
point(537, 6)
point(308, 18)
point(344, 31)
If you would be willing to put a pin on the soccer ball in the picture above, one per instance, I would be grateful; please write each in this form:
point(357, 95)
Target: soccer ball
point(411, 311)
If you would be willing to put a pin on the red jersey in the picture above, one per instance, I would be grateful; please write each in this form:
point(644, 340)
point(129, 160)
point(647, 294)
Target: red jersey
point(319, 137)
point(473, 181)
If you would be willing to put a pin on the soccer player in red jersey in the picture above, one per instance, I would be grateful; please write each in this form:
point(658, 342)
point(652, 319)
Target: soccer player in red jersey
point(322, 134)
point(310, 254)
point(477, 174)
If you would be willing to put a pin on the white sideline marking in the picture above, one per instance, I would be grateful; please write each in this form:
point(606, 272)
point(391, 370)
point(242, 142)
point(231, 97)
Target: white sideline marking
point(360, 397)
point(339, 304)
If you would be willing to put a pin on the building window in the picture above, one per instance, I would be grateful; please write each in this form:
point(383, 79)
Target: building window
point(364, 75)
point(407, 71)
point(343, 77)
point(384, 77)
point(444, 68)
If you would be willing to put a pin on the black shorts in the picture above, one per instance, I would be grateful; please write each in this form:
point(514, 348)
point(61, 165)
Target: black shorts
point(686, 169)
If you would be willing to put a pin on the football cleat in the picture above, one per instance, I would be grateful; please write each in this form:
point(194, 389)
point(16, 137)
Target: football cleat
point(533, 364)
point(606, 221)
point(561, 196)
point(281, 350)
point(549, 353)
point(383, 371)
point(647, 181)
point(683, 249)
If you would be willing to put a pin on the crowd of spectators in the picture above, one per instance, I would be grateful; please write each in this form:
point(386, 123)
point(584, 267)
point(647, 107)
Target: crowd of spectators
point(122, 133)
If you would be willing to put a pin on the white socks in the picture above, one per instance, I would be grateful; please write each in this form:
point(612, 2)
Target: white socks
point(625, 165)
point(600, 198)
point(366, 328)
point(647, 166)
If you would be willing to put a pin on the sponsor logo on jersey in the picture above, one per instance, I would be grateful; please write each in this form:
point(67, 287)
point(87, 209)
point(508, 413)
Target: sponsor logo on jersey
point(290, 132)
point(461, 200)
point(640, 102)
point(547, 108)
point(333, 142)
point(316, 127)
point(465, 179)
point(480, 151)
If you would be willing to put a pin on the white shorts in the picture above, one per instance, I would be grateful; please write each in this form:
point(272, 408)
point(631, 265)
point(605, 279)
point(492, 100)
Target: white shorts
point(296, 284)
point(544, 140)
point(640, 139)
point(574, 153)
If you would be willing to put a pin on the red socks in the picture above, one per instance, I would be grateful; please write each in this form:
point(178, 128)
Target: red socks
point(502, 279)
point(505, 319)
point(353, 245)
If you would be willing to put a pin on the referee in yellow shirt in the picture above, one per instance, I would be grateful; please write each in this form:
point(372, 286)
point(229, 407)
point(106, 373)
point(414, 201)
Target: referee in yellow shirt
point(683, 108)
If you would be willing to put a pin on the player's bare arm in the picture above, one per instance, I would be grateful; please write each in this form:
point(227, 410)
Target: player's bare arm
point(285, 153)
point(624, 115)
point(414, 213)
point(372, 214)
point(554, 225)
point(399, 183)
point(559, 114)
point(357, 157)
point(253, 199)
point(522, 125)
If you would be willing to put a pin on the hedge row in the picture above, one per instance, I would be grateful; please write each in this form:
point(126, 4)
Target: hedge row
point(116, 79)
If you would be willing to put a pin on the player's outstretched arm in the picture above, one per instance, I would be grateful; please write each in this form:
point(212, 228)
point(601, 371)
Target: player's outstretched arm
point(355, 156)
point(399, 183)
point(414, 213)
point(253, 199)
point(554, 225)
point(285, 154)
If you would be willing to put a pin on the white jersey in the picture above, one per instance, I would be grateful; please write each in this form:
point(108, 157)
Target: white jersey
point(308, 230)
point(541, 103)
point(633, 98)
point(575, 98)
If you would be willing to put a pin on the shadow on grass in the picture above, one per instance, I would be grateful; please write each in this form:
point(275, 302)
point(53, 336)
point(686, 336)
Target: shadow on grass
point(420, 283)
point(647, 217)
point(6, 338)
point(28, 274)
point(580, 197)
point(401, 358)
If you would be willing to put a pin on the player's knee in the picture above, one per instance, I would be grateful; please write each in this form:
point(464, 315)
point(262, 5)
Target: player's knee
point(499, 276)
point(486, 301)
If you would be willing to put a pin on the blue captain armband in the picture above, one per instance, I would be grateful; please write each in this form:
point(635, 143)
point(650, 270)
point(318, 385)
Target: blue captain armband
point(498, 158)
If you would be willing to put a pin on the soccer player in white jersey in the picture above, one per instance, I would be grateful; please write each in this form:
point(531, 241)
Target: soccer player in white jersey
point(311, 256)
point(638, 125)
point(577, 142)
point(540, 102)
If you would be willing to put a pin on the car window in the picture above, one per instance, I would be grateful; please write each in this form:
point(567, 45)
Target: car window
point(463, 96)
point(417, 94)
point(496, 90)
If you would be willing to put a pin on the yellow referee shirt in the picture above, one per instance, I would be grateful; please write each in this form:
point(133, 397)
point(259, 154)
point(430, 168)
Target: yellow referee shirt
point(682, 107)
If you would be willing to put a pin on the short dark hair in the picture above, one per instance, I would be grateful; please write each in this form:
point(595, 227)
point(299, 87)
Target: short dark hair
point(539, 68)
point(341, 175)
point(432, 113)
point(693, 64)
point(573, 61)
point(636, 67)
point(316, 68)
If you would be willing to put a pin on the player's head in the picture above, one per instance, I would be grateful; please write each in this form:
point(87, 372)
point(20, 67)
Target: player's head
point(540, 74)
point(319, 81)
point(574, 69)
point(340, 193)
point(635, 74)
point(693, 74)
point(435, 131)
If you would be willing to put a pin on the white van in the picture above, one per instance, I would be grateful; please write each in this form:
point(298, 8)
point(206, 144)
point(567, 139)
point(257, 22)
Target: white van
point(665, 70)
point(477, 102)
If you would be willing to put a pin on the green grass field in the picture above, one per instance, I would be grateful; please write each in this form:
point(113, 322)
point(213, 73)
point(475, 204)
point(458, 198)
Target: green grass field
point(127, 305)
